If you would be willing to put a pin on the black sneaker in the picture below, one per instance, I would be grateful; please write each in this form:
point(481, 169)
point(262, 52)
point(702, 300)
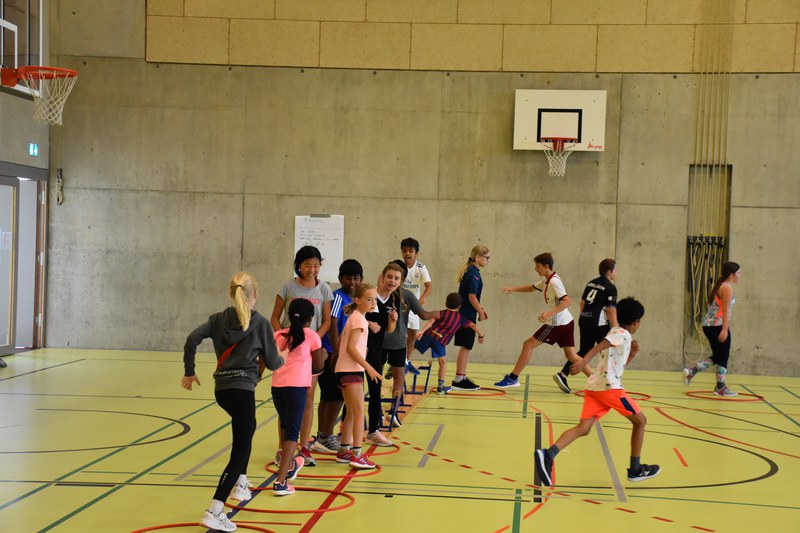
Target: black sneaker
point(465, 384)
point(645, 472)
point(544, 465)
point(561, 381)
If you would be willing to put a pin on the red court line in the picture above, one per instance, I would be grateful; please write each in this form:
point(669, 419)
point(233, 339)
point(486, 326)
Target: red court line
point(661, 412)
point(625, 510)
point(662, 519)
point(593, 501)
point(680, 457)
point(703, 529)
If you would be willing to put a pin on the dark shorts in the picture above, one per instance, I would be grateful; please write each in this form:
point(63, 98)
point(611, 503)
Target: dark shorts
point(329, 390)
point(396, 358)
point(290, 402)
point(591, 334)
point(720, 351)
point(427, 341)
point(346, 378)
point(564, 335)
point(465, 337)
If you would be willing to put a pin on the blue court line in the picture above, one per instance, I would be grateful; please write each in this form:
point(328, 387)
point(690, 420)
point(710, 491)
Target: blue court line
point(610, 462)
point(775, 408)
point(435, 440)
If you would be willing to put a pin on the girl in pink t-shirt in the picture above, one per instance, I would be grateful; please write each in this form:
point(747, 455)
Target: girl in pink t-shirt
point(350, 369)
point(301, 347)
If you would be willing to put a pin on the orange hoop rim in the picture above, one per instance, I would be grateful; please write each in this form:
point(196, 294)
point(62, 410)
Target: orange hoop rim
point(45, 72)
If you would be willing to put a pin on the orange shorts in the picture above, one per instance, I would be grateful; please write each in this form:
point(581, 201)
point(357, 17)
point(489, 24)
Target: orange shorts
point(597, 403)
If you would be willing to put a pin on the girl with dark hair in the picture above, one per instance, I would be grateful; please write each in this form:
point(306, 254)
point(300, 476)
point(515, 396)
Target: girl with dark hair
point(243, 343)
point(716, 327)
point(301, 348)
point(307, 264)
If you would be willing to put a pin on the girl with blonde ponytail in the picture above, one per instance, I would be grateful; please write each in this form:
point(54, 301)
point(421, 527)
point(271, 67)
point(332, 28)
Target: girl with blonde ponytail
point(243, 341)
point(470, 286)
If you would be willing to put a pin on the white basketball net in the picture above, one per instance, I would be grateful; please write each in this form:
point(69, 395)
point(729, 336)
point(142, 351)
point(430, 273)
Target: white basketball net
point(557, 152)
point(49, 90)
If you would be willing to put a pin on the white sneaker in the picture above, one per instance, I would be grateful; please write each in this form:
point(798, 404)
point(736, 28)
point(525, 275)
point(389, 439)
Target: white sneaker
point(217, 522)
point(378, 439)
point(241, 493)
point(687, 376)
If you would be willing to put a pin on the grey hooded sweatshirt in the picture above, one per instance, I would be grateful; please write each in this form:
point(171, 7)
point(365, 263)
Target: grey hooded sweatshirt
point(238, 351)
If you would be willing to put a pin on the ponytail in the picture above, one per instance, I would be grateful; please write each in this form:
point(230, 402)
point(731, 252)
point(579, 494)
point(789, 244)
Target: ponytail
point(300, 312)
point(242, 290)
point(477, 250)
point(728, 269)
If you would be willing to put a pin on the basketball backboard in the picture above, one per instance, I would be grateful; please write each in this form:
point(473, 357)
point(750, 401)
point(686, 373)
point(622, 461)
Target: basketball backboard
point(547, 114)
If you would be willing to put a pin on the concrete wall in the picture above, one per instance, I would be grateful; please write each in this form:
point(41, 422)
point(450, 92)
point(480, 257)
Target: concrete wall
point(18, 129)
point(473, 35)
point(176, 176)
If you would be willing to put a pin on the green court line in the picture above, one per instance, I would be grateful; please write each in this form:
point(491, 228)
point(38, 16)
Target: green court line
point(106, 456)
point(144, 472)
point(790, 392)
point(515, 525)
point(525, 398)
point(745, 387)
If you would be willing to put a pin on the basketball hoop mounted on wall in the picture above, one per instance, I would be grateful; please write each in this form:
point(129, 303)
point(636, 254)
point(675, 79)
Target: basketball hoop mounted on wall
point(557, 150)
point(49, 86)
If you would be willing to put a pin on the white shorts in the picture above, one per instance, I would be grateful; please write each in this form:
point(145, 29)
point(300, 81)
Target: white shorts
point(413, 320)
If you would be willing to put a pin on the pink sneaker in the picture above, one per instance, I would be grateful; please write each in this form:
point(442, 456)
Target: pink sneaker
point(360, 461)
point(308, 459)
point(378, 439)
point(343, 456)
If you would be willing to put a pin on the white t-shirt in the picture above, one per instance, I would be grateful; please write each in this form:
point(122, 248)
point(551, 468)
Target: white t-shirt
point(416, 279)
point(553, 290)
point(611, 362)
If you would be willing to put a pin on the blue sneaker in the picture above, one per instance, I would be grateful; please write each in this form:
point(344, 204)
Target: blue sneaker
point(442, 390)
point(278, 489)
point(507, 383)
point(411, 369)
point(298, 463)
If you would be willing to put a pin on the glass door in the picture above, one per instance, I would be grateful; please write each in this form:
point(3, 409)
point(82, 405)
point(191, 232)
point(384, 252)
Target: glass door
point(8, 261)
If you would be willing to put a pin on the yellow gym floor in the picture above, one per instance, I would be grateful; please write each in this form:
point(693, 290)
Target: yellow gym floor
point(107, 441)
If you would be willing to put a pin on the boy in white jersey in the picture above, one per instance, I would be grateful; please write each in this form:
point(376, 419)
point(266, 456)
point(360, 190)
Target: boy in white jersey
point(604, 392)
point(418, 281)
point(558, 325)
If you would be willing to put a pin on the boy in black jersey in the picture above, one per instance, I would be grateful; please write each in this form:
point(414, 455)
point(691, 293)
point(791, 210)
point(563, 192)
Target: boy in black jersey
point(598, 315)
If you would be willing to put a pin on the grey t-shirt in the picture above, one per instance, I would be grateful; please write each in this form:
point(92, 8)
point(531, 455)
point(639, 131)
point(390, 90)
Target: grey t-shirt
point(398, 338)
point(316, 295)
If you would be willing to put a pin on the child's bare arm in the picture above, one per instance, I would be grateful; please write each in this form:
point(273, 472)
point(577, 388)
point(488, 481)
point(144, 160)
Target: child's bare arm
point(474, 328)
point(521, 288)
point(634, 351)
point(583, 363)
point(425, 328)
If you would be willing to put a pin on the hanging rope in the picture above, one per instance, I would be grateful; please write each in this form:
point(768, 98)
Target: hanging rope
point(709, 203)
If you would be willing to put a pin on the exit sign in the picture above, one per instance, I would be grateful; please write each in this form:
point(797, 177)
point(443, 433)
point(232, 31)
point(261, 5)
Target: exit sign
point(33, 149)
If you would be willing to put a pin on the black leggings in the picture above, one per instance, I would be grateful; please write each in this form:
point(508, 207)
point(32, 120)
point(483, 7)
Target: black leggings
point(720, 351)
point(241, 406)
point(376, 359)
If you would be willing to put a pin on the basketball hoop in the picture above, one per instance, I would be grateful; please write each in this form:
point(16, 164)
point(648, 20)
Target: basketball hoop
point(557, 150)
point(49, 86)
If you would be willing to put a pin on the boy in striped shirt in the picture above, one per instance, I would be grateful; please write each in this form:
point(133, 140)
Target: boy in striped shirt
point(437, 334)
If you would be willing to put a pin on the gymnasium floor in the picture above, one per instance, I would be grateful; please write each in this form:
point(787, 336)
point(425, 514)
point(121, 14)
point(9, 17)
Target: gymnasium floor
point(104, 441)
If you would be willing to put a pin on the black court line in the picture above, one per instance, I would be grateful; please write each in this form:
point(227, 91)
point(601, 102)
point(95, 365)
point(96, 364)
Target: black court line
point(185, 429)
point(42, 369)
